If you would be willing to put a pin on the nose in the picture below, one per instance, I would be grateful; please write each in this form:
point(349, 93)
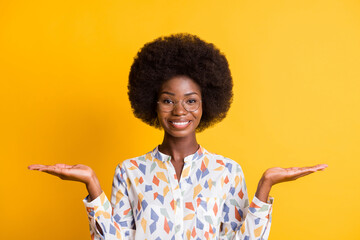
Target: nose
point(179, 109)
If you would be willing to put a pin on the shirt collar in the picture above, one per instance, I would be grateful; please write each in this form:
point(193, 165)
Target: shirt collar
point(164, 158)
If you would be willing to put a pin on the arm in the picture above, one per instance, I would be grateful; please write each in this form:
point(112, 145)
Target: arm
point(107, 221)
point(250, 222)
point(277, 175)
point(243, 220)
point(113, 220)
point(77, 173)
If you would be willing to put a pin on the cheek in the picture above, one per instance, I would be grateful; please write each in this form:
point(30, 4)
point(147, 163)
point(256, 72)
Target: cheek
point(161, 117)
point(198, 114)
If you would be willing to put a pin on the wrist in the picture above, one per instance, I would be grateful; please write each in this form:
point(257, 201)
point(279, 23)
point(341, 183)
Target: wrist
point(263, 189)
point(91, 179)
point(93, 186)
point(265, 182)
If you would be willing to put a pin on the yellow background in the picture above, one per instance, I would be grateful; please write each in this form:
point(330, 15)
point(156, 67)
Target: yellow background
point(296, 69)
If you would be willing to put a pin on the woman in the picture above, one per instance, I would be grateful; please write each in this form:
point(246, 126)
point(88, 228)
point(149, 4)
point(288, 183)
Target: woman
point(179, 190)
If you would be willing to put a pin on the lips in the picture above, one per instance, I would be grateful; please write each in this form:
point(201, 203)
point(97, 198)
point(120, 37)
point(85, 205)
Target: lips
point(180, 124)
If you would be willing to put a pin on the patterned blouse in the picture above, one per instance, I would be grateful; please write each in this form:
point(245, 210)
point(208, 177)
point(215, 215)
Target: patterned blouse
point(209, 202)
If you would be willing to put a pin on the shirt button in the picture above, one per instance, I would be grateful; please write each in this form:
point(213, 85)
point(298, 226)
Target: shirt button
point(177, 228)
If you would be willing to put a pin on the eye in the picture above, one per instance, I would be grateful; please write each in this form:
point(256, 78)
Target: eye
point(167, 101)
point(191, 101)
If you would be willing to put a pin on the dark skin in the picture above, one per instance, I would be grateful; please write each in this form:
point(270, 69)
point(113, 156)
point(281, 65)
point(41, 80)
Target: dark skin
point(178, 149)
point(179, 141)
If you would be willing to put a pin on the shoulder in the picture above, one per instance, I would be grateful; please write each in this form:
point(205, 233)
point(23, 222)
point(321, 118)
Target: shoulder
point(218, 160)
point(143, 159)
point(137, 165)
point(134, 161)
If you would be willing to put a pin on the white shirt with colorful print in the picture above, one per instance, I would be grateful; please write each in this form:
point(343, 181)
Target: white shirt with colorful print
point(209, 202)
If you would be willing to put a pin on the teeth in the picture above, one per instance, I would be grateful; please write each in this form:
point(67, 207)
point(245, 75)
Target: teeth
point(180, 123)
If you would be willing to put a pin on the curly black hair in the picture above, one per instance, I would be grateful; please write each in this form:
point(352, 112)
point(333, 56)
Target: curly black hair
point(180, 55)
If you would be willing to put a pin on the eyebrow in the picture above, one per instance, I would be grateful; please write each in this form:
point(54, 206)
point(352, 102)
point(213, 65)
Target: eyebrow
point(173, 94)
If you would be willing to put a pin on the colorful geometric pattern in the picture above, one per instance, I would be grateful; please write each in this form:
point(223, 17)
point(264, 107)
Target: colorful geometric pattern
point(210, 201)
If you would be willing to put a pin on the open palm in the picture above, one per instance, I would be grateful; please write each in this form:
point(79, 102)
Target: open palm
point(277, 175)
point(78, 172)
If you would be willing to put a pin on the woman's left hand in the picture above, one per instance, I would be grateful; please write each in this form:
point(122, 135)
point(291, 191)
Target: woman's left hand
point(276, 175)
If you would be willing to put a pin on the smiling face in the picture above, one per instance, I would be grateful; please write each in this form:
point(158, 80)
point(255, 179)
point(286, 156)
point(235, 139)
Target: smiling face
point(179, 122)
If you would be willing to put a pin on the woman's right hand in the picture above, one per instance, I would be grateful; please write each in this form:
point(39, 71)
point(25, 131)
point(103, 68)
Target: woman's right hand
point(79, 173)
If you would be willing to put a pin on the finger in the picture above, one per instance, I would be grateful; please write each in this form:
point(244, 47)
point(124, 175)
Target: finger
point(54, 169)
point(321, 167)
point(38, 166)
point(301, 175)
point(62, 165)
point(295, 173)
point(51, 173)
point(62, 173)
point(318, 166)
point(35, 166)
point(301, 172)
point(311, 169)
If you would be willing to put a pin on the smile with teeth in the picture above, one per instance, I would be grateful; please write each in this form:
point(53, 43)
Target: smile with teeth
point(180, 124)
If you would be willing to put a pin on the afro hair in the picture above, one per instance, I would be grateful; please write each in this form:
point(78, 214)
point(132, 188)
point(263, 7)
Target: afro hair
point(180, 55)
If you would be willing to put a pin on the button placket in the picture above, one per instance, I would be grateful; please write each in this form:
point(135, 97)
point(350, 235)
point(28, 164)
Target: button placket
point(178, 201)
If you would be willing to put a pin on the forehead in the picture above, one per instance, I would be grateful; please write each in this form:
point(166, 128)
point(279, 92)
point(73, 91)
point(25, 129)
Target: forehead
point(180, 85)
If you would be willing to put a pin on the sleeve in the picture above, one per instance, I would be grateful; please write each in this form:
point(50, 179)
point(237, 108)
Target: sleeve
point(115, 219)
point(241, 221)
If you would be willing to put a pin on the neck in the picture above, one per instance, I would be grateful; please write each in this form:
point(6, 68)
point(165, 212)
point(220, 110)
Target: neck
point(178, 148)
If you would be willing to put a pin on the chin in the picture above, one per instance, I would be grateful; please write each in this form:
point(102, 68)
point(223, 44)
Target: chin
point(179, 134)
point(182, 135)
